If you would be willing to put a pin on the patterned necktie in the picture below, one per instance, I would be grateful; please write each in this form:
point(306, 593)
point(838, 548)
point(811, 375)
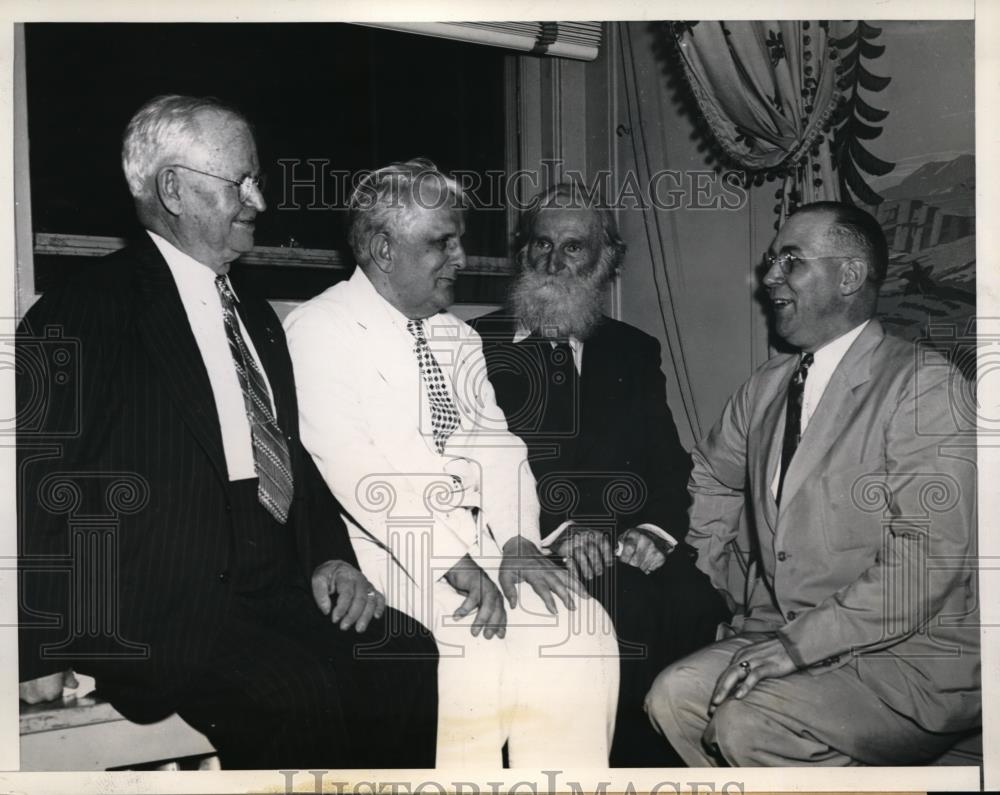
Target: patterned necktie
point(270, 451)
point(793, 418)
point(444, 415)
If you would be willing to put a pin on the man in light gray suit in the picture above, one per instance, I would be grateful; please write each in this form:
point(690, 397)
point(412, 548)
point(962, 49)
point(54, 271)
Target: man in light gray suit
point(860, 642)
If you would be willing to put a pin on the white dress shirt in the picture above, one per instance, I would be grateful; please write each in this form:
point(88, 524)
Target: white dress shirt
point(522, 333)
point(825, 361)
point(200, 297)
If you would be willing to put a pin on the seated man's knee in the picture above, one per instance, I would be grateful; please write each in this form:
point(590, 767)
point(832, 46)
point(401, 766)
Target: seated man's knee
point(396, 637)
point(410, 634)
point(737, 733)
point(676, 685)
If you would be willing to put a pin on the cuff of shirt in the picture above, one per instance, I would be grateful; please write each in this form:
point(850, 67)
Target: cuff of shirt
point(552, 537)
point(659, 532)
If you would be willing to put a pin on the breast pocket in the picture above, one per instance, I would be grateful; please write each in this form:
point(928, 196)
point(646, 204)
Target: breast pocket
point(854, 503)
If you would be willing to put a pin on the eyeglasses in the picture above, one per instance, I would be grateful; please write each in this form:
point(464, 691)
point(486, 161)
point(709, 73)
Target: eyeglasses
point(246, 185)
point(788, 262)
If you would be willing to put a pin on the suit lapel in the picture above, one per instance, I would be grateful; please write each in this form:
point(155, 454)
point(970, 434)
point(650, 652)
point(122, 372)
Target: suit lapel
point(395, 364)
point(833, 410)
point(170, 344)
point(768, 446)
point(601, 368)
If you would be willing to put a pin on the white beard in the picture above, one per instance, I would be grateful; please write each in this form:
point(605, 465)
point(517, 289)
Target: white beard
point(560, 305)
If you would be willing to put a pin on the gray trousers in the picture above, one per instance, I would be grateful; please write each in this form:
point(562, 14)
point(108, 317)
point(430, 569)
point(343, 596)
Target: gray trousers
point(830, 718)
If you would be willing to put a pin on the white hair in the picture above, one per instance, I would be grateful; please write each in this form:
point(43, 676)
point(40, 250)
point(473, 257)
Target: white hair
point(160, 131)
point(386, 196)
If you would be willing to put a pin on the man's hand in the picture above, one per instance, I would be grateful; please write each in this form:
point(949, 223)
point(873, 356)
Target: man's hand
point(357, 600)
point(587, 552)
point(481, 595)
point(765, 659)
point(523, 561)
point(642, 549)
point(46, 688)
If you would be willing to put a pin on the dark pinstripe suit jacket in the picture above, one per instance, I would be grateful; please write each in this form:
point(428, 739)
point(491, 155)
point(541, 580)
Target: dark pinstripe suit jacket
point(125, 524)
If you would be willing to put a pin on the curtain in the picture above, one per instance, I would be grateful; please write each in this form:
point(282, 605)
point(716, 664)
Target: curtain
point(769, 93)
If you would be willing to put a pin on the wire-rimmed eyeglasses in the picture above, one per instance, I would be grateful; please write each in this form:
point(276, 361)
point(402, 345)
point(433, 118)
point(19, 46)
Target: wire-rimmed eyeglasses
point(246, 184)
point(787, 262)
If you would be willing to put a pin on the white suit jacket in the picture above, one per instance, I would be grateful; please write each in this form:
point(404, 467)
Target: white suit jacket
point(871, 558)
point(365, 419)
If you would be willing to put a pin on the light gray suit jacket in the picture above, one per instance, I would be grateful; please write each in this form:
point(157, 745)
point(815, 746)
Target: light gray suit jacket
point(871, 559)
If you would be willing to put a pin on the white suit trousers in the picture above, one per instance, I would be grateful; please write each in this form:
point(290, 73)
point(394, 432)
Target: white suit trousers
point(549, 689)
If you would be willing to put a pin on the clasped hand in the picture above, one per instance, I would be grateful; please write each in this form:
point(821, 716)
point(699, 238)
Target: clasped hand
point(588, 552)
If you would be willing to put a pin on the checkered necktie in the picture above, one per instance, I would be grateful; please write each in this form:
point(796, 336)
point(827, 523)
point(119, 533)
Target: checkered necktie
point(444, 415)
point(270, 451)
point(793, 417)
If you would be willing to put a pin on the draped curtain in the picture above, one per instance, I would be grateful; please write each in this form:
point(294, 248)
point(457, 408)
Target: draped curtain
point(769, 93)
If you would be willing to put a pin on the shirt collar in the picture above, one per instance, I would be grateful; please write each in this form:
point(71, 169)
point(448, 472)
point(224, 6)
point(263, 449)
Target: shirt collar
point(831, 353)
point(522, 332)
point(367, 289)
point(185, 268)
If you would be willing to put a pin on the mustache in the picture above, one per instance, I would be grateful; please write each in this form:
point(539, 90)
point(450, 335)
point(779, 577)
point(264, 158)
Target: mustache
point(568, 305)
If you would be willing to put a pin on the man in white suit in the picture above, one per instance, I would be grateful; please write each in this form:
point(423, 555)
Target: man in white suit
point(401, 420)
point(860, 642)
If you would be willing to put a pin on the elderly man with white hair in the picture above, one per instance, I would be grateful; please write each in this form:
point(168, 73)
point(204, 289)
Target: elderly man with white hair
point(440, 501)
point(174, 528)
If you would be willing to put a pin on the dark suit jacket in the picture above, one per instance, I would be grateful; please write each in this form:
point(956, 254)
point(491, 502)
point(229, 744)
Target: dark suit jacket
point(126, 527)
point(613, 458)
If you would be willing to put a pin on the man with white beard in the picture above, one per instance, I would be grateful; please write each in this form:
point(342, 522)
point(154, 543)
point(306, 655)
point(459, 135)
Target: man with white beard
point(587, 396)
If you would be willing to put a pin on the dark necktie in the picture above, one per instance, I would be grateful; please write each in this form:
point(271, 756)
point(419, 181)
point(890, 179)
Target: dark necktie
point(793, 418)
point(444, 415)
point(270, 451)
point(561, 391)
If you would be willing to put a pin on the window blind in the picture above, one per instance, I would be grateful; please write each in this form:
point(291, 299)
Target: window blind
point(578, 40)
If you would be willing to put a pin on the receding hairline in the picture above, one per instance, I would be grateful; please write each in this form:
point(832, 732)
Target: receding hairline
point(597, 226)
point(842, 234)
point(199, 118)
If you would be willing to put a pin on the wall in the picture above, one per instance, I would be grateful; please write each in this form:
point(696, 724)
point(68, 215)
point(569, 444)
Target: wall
point(711, 252)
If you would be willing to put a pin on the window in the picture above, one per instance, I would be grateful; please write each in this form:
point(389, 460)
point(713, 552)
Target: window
point(327, 100)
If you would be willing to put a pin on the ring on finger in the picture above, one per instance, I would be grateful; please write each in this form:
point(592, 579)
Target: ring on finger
point(745, 666)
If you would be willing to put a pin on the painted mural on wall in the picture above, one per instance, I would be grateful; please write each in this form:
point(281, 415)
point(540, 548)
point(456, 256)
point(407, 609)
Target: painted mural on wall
point(928, 209)
point(929, 219)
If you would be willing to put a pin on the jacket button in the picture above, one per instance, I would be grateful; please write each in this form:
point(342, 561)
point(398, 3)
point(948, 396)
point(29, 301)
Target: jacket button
point(791, 615)
point(223, 576)
point(229, 507)
point(782, 556)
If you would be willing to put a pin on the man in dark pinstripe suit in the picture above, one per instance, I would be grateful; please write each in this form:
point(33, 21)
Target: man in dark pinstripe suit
point(161, 552)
